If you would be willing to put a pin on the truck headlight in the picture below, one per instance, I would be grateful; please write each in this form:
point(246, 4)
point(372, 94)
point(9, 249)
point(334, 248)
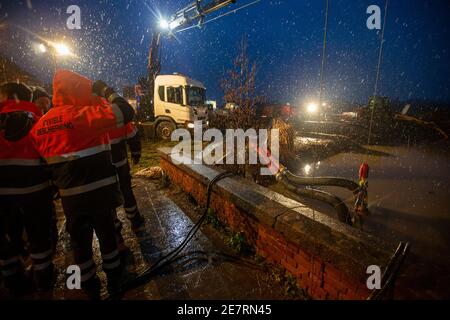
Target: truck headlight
point(190, 125)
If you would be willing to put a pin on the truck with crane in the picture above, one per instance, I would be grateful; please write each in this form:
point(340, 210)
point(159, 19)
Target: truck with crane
point(167, 102)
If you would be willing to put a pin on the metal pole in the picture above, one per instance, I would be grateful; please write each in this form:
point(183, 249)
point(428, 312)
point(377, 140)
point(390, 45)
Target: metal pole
point(380, 55)
point(4, 72)
point(55, 64)
point(323, 53)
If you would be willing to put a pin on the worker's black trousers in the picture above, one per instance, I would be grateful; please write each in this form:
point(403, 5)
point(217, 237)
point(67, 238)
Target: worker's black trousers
point(36, 219)
point(81, 226)
point(129, 203)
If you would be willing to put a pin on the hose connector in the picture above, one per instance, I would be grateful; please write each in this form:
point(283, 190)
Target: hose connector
point(280, 174)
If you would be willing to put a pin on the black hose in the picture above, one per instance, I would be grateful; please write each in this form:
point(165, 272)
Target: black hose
point(171, 257)
point(391, 262)
point(322, 181)
point(334, 201)
point(391, 271)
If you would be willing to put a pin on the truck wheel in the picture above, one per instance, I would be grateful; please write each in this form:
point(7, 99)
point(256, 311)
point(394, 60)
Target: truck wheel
point(164, 130)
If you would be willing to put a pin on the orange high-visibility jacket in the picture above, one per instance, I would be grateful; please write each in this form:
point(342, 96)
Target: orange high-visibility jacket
point(72, 139)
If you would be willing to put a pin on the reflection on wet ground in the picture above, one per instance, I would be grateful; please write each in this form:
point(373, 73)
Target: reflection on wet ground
point(409, 200)
point(203, 272)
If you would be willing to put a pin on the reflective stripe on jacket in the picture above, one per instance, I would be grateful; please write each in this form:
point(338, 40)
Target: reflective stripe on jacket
point(119, 138)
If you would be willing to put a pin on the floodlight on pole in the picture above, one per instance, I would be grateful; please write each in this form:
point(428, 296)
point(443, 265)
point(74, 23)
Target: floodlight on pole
point(164, 24)
point(312, 107)
point(61, 49)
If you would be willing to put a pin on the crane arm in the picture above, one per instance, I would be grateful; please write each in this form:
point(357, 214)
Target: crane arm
point(196, 11)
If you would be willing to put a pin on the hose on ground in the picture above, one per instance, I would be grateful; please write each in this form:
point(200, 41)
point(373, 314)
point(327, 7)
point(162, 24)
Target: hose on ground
point(171, 257)
point(391, 271)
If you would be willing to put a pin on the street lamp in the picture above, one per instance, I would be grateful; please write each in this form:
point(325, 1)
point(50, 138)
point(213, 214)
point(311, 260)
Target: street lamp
point(56, 49)
point(61, 49)
point(42, 48)
point(164, 24)
point(312, 107)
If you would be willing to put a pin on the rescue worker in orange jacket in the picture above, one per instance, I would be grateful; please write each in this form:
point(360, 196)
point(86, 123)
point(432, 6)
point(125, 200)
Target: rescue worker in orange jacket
point(119, 138)
point(25, 194)
point(72, 138)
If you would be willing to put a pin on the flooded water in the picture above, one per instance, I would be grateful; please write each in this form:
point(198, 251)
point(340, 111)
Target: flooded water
point(409, 200)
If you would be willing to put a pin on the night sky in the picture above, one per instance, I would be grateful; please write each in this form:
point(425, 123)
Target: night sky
point(284, 38)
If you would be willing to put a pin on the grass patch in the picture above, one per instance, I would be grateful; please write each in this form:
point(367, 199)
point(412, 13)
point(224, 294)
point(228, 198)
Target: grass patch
point(149, 156)
point(236, 240)
point(289, 283)
point(211, 218)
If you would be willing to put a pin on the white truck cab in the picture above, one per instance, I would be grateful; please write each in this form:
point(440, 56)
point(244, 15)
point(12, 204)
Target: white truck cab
point(178, 102)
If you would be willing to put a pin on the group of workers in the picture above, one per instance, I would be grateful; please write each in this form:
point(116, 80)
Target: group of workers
point(71, 146)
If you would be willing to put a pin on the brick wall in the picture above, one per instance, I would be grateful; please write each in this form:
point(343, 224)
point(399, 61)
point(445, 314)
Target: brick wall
point(320, 279)
point(323, 269)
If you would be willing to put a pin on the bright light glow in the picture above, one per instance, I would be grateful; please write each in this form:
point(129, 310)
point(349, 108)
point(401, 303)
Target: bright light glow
point(312, 107)
point(42, 48)
point(307, 169)
point(61, 49)
point(324, 104)
point(190, 125)
point(174, 24)
point(163, 24)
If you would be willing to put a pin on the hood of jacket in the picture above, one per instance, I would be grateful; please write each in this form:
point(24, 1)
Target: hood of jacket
point(70, 88)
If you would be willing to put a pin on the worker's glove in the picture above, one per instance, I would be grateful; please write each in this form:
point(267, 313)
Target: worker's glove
point(101, 89)
point(136, 157)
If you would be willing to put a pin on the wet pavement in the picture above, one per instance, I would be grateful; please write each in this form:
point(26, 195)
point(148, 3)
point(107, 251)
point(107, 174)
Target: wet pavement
point(210, 278)
point(205, 271)
point(409, 200)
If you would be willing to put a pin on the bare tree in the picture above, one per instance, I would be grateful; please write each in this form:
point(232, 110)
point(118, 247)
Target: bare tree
point(239, 88)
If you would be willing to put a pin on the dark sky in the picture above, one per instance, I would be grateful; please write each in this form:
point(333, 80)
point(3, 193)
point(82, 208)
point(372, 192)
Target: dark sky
point(284, 37)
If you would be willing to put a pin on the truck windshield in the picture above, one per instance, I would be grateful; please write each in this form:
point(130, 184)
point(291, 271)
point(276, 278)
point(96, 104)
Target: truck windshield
point(195, 96)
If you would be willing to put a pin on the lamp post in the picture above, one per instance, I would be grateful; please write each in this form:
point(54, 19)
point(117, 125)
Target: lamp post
point(55, 49)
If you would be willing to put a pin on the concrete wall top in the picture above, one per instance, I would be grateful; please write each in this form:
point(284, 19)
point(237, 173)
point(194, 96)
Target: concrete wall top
point(347, 248)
